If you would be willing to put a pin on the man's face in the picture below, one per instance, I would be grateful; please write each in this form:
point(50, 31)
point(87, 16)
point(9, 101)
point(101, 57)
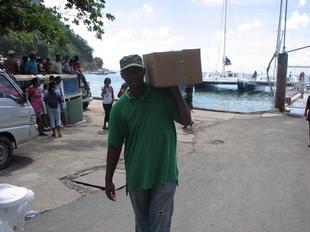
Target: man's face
point(33, 56)
point(133, 76)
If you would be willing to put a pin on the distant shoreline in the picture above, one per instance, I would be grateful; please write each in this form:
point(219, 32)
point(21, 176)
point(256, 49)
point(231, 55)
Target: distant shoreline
point(101, 72)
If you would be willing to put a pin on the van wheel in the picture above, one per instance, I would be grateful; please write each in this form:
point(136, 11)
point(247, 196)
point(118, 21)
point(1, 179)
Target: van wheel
point(6, 151)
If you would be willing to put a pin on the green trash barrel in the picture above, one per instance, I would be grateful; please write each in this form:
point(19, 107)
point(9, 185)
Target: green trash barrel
point(74, 109)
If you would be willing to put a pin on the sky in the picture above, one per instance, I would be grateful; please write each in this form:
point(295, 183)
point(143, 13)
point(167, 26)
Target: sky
point(143, 26)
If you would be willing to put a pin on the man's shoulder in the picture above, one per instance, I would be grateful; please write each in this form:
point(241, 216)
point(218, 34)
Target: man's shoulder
point(120, 108)
point(121, 102)
point(159, 92)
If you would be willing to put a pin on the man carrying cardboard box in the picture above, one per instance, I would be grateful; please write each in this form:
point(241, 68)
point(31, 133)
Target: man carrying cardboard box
point(144, 119)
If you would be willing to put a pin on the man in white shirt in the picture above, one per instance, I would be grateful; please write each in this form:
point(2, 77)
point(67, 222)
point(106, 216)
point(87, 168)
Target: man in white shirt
point(56, 67)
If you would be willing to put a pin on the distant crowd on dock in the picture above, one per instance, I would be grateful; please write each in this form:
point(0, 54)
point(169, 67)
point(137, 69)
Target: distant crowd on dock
point(34, 64)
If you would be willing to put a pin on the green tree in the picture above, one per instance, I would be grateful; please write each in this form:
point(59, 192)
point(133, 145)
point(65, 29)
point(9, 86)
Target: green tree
point(22, 43)
point(80, 45)
point(24, 16)
point(98, 62)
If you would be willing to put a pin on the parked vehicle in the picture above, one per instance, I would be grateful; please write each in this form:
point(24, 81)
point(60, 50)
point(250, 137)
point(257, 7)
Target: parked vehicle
point(17, 118)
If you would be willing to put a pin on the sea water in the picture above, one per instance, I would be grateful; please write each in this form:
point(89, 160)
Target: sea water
point(224, 98)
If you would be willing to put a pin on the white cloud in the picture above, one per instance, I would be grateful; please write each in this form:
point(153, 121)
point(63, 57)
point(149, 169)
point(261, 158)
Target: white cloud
point(249, 26)
point(160, 32)
point(135, 31)
point(147, 33)
point(163, 31)
point(220, 34)
point(208, 1)
point(298, 20)
point(125, 34)
point(301, 3)
point(146, 11)
point(133, 41)
point(299, 58)
point(241, 28)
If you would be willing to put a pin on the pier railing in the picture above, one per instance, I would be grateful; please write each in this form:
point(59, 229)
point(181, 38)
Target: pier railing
point(299, 91)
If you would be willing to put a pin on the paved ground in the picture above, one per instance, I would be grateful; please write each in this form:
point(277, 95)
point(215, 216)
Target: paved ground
point(237, 173)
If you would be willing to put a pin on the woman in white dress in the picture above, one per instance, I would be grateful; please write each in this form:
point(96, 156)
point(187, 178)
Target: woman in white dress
point(107, 95)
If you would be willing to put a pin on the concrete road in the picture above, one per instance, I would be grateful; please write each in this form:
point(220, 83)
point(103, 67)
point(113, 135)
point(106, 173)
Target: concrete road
point(237, 173)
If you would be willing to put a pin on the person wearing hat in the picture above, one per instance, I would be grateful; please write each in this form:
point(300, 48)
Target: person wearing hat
point(31, 64)
point(11, 63)
point(56, 66)
point(143, 120)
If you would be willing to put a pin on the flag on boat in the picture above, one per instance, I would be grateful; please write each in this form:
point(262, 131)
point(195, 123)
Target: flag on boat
point(227, 61)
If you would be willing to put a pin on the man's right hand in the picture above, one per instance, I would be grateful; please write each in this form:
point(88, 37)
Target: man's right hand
point(110, 191)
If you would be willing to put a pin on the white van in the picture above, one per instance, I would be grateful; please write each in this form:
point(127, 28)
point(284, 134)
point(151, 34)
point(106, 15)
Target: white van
point(17, 118)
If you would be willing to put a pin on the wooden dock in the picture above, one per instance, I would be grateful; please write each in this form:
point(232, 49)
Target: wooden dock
point(243, 85)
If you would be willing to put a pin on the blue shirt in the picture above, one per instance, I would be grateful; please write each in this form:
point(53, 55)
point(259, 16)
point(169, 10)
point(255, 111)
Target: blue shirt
point(31, 67)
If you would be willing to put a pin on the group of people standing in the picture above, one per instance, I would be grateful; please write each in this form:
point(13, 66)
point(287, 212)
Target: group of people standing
point(34, 64)
point(48, 102)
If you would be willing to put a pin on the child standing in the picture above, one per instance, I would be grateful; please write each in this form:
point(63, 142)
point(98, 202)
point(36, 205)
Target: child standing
point(53, 101)
point(107, 95)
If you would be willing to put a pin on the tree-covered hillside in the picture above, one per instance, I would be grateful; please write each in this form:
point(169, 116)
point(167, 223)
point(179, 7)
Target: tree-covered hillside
point(30, 25)
point(22, 43)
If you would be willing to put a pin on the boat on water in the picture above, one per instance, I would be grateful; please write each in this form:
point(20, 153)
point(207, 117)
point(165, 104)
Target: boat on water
point(103, 71)
point(225, 60)
point(224, 75)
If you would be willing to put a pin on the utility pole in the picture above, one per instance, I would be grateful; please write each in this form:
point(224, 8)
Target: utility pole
point(282, 71)
point(281, 82)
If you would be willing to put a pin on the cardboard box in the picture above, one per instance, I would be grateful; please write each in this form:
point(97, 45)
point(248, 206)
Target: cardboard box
point(164, 69)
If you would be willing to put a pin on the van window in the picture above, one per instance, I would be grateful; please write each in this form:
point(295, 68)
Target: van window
point(7, 90)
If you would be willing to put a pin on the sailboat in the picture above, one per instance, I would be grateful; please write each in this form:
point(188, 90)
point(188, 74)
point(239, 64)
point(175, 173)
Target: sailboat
point(224, 75)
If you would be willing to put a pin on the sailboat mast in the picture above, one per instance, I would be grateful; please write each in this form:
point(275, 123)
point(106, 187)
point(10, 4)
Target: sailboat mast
point(285, 19)
point(224, 48)
point(279, 30)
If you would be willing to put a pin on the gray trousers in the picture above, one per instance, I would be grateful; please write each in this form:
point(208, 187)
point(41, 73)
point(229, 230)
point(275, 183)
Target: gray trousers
point(153, 208)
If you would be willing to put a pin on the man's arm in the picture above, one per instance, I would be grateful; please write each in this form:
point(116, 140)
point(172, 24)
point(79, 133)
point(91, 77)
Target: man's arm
point(185, 117)
point(112, 95)
point(112, 160)
point(307, 106)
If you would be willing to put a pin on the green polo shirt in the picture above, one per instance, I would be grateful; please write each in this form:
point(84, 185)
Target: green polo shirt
point(146, 125)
